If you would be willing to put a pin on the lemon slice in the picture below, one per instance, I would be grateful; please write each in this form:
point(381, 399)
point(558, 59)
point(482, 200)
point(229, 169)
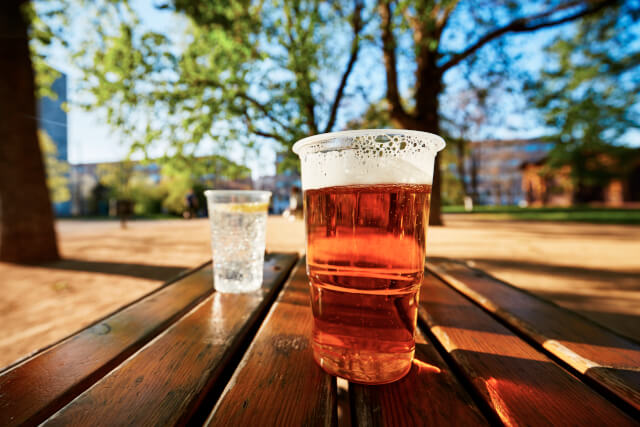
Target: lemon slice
point(242, 207)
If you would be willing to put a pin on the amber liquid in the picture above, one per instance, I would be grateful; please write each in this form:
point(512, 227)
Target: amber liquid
point(365, 260)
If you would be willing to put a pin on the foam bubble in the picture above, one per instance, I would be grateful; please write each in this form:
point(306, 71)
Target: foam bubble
point(379, 156)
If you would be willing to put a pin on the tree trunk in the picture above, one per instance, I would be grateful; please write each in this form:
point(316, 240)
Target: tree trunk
point(428, 119)
point(435, 212)
point(473, 175)
point(27, 232)
point(435, 217)
point(460, 163)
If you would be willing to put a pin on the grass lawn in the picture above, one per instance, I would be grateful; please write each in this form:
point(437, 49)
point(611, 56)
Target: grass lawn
point(576, 214)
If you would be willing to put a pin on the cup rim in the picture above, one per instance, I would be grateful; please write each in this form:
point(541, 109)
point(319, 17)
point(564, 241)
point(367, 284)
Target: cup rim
point(299, 146)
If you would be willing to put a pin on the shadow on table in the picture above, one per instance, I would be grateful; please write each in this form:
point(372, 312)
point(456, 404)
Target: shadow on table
point(612, 277)
point(613, 311)
point(141, 271)
point(623, 323)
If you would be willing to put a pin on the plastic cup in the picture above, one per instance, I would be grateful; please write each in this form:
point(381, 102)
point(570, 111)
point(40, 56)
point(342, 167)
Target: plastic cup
point(238, 221)
point(366, 198)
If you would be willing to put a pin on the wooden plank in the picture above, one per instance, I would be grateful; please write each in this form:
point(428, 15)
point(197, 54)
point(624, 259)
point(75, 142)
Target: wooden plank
point(277, 381)
point(517, 382)
point(36, 387)
point(428, 395)
point(606, 358)
point(165, 381)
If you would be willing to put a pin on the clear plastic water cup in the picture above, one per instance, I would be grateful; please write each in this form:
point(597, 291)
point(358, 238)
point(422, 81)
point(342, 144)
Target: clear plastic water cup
point(238, 220)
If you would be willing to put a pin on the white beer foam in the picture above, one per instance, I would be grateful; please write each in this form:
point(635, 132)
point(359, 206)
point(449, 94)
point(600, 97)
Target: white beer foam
point(379, 156)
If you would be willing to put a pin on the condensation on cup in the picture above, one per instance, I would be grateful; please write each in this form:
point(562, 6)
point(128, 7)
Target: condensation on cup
point(366, 196)
point(238, 221)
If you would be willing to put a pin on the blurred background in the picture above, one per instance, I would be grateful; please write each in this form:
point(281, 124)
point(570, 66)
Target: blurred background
point(112, 112)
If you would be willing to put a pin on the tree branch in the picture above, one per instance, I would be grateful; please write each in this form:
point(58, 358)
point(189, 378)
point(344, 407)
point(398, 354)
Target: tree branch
point(301, 71)
point(390, 62)
point(443, 16)
point(260, 106)
point(267, 135)
point(309, 105)
point(265, 111)
point(253, 129)
point(529, 24)
point(357, 26)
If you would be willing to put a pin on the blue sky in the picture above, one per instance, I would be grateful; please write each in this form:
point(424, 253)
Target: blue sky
point(92, 140)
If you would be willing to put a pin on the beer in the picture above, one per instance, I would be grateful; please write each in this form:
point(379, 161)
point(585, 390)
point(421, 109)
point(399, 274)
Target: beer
point(365, 258)
point(366, 203)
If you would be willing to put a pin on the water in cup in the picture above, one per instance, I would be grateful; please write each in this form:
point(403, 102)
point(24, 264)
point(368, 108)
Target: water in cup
point(238, 234)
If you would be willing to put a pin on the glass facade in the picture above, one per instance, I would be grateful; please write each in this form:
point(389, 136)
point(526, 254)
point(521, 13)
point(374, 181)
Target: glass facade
point(53, 120)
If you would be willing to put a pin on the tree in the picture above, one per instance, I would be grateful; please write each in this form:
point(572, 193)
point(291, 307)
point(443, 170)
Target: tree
point(56, 169)
point(125, 180)
point(280, 70)
point(428, 21)
point(589, 98)
point(117, 177)
point(469, 113)
point(27, 233)
point(180, 174)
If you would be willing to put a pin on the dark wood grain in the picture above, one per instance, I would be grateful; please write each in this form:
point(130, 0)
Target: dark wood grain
point(428, 395)
point(36, 387)
point(277, 382)
point(610, 360)
point(165, 381)
point(518, 383)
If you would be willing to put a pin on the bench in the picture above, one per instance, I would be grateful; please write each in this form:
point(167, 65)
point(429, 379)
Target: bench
point(486, 353)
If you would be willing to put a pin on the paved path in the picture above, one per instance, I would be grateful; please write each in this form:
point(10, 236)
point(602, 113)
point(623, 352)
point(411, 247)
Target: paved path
point(593, 269)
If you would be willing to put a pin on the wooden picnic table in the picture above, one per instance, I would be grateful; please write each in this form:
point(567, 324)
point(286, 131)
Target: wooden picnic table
point(487, 353)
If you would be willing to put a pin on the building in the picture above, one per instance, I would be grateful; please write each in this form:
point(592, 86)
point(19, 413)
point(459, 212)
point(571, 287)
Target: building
point(614, 181)
point(280, 186)
point(52, 118)
point(497, 167)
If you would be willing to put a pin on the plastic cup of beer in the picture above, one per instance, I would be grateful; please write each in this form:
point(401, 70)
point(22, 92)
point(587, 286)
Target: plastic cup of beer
point(238, 221)
point(366, 200)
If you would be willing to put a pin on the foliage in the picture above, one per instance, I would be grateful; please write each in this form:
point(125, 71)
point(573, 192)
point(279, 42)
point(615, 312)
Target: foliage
point(57, 170)
point(269, 69)
point(589, 97)
point(249, 71)
point(147, 197)
point(453, 191)
point(177, 186)
point(117, 178)
point(45, 29)
point(179, 174)
point(125, 181)
point(277, 70)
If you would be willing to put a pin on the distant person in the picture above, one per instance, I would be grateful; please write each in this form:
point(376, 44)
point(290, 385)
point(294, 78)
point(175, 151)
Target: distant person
point(191, 202)
point(295, 202)
point(468, 204)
